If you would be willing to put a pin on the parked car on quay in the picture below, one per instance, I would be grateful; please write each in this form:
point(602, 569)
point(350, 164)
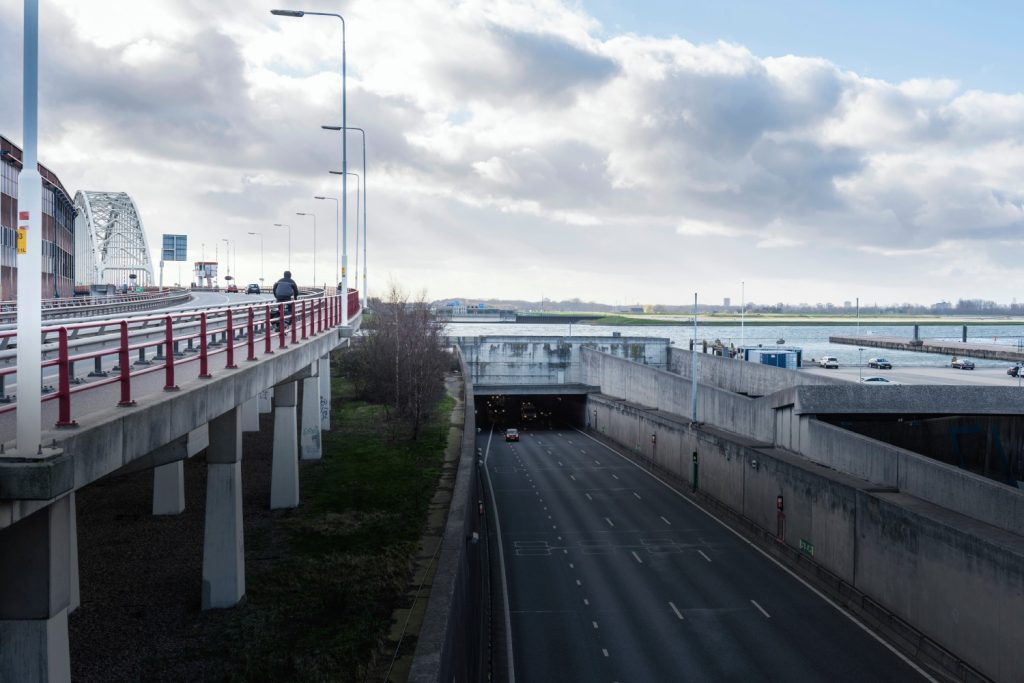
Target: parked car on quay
point(879, 363)
point(828, 362)
point(962, 364)
point(1015, 371)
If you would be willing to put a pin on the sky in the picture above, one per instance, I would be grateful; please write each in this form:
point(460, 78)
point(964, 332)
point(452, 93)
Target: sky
point(636, 152)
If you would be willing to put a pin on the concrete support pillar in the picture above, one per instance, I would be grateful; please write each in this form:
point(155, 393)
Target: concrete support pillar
point(284, 477)
point(325, 393)
point(34, 596)
point(223, 540)
point(169, 488)
point(251, 415)
point(263, 399)
point(309, 435)
point(74, 590)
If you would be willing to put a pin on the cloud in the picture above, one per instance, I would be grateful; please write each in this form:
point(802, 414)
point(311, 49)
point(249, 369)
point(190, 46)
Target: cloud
point(522, 128)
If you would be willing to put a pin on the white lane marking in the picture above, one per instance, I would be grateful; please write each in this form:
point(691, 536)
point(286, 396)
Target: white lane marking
point(549, 516)
point(637, 495)
point(549, 452)
point(570, 440)
point(572, 477)
point(588, 496)
point(662, 519)
point(572, 566)
point(594, 623)
point(565, 551)
point(636, 557)
point(578, 582)
point(704, 556)
point(554, 526)
point(609, 521)
point(559, 538)
point(597, 462)
point(541, 500)
point(501, 561)
point(676, 610)
point(760, 609)
point(545, 507)
point(559, 463)
point(585, 601)
point(615, 476)
point(771, 559)
point(604, 651)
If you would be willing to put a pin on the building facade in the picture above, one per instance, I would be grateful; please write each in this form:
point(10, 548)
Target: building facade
point(58, 262)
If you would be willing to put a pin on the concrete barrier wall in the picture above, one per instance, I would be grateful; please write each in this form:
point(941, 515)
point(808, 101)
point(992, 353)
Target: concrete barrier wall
point(668, 391)
point(739, 376)
point(958, 582)
point(958, 589)
point(449, 643)
point(851, 453)
point(550, 360)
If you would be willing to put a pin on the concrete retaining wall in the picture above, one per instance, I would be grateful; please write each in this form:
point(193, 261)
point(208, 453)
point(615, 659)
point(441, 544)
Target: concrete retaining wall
point(656, 388)
point(740, 376)
point(954, 579)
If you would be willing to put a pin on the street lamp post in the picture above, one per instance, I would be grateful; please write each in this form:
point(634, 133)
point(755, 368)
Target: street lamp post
point(358, 183)
point(227, 257)
point(260, 235)
point(365, 178)
point(285, 225)
point(313, 215)
point(337, 233)
point(30, 225)
point(344, 152)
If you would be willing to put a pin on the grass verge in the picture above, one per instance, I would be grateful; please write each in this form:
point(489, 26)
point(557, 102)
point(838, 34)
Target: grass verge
point(320, 606)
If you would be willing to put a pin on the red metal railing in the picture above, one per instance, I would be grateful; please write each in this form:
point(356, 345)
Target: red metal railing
point(163, 334)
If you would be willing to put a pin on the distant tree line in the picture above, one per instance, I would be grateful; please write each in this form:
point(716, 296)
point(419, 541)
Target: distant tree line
point(961, 307)
point(399, 360)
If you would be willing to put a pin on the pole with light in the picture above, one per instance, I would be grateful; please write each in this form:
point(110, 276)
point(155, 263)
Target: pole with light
point(227, 257)
point(30, 251)
point(285, 225)
point(365, 179)
point(260, 235)
point(344, 152)
point(313, 215)
point(743, 309)
point(359, 183)
point(337, 235)
point(693, 365)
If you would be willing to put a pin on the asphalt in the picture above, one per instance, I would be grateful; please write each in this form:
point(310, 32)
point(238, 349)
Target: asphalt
point(612, 576)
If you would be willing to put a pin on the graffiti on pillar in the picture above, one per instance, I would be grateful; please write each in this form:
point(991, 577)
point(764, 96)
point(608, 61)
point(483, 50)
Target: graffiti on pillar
point(325, 408)
point(313, 433)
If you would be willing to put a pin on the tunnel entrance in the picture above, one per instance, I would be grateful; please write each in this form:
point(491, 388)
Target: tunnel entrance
point(527, 412)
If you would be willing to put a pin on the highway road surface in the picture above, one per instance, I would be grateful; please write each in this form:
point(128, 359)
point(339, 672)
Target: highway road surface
point(612, 576)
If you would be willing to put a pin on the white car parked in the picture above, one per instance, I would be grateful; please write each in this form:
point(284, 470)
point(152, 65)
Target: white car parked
point(829, 362)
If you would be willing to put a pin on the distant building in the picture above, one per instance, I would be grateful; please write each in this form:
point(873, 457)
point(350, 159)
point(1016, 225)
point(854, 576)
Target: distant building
point(58, 263)
point(726, 302)
point(942, 306)
point(847, 304)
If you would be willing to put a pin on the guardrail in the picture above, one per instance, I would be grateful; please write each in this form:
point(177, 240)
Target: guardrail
point(157, 344)
point(76, 307)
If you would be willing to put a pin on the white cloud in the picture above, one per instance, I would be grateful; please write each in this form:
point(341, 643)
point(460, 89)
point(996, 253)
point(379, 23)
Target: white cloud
point(519, 123)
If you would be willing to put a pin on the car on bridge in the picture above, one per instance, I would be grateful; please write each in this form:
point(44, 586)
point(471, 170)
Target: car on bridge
point(962, 364)
point(232, 288)
point(253, 288)
point(879, 363)
point(511, 435)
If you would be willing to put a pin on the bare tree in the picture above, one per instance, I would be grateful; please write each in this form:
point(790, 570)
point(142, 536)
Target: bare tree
point(399, 361)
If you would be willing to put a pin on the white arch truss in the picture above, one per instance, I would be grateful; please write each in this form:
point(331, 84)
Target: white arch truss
point(110, 241)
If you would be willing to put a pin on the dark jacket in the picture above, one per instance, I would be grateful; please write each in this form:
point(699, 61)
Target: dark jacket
point(285, 289)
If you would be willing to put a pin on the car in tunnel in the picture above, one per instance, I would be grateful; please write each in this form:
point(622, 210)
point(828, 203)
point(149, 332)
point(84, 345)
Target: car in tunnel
point(511, 435)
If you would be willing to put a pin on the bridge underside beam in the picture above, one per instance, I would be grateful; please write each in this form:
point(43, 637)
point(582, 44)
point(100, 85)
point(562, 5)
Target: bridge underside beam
point(534, 389)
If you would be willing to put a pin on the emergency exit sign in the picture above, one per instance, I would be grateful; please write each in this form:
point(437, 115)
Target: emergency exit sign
point(806, 548)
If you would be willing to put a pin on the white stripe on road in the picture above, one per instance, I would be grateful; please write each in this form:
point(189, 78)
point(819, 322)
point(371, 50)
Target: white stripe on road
point(704, 556)
point(761, 609)
point(609, 521)
point(662, 519)
point(604, 651)
point(676, 610)
point(636, 557)
point(578, 582)
point(637, 495)
point(597, 462)
point(588, 496)
point(594, 623)
point(572, 477)
point(615, 476)
point(586, 602)
point(559, 463)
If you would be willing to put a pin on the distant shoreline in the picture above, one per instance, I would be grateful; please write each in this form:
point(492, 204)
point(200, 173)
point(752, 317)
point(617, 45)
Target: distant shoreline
point(764, 321)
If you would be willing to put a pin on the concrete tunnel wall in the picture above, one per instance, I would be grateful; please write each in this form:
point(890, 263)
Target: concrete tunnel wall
point(741, 377)
point(963, 589)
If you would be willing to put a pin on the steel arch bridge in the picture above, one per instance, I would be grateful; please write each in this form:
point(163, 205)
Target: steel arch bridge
point(110, 241)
